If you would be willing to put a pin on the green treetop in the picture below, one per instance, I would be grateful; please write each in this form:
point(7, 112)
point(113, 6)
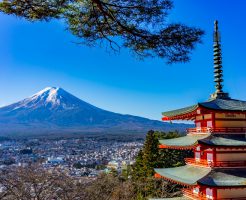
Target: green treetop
point(151, 156)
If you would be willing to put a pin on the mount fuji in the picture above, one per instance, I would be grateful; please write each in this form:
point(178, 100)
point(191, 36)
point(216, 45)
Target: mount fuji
point(55, 111)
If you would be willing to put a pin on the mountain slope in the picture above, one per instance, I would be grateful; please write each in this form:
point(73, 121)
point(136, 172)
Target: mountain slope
point(53, 110)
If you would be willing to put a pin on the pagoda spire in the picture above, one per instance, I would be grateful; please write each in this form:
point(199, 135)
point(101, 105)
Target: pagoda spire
point(218, 76)
point(218, 72)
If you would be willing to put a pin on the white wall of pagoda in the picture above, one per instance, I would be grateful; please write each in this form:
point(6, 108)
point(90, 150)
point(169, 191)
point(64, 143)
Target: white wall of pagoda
point(227, 155)
point(231, 193)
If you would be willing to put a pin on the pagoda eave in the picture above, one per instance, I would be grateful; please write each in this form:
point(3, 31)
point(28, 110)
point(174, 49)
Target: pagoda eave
point(229, 106)
point(187, 142)
point(174, 181)
point(228, 141)
point(223, 187)
point(161, 146)
point(190, 174)
point(188, 117)
point(223, 146)
point(187, 113)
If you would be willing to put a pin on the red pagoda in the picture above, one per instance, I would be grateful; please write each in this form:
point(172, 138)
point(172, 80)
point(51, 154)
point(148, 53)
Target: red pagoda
point(218, 169)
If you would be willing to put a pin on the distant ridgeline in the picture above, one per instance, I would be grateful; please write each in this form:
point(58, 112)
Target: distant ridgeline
point(54, 111)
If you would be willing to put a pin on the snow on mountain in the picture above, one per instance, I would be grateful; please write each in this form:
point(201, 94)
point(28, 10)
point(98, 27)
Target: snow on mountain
point(50, 97)
point(55, 110)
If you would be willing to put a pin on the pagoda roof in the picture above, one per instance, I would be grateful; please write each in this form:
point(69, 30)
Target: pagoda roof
point(224, 140)
point(173, 198)
point(225, 177)
point(187, 175)
point(225, 104)
point(213, 104)
point(193, 175)
point(188, 141)
point(181, 111)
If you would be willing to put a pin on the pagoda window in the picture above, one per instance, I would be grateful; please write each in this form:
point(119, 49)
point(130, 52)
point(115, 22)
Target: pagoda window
point(209, 193)
point(196, 190)
point(197, 155)
point(208, 116)
point(198, 124)
point(199, 117)
point(209, 124)
point(210, 157)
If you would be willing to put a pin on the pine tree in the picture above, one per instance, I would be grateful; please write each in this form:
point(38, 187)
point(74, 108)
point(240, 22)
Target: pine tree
point(147, 158)
point(151, 156)
point(140, 25)
point(138, 166)
point(150, 153)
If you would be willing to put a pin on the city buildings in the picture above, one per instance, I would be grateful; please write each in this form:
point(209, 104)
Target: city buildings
point(78, 157)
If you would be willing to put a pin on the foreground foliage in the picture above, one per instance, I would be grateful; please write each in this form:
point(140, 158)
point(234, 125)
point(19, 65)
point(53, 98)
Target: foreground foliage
point(33, 183)
point(140, 25)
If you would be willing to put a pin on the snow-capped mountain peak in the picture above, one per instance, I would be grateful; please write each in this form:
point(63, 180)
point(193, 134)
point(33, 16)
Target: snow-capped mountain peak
point(47, 89)
point(49, 97)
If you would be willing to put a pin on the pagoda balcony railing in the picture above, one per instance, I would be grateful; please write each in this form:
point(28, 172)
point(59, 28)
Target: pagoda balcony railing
point(201, 196)
point(206, 163)
point(199, 130)
point(190, 194)
point(200, 162)
point(217, 130)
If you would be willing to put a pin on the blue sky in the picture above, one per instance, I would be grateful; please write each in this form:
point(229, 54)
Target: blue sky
point(36, 55)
